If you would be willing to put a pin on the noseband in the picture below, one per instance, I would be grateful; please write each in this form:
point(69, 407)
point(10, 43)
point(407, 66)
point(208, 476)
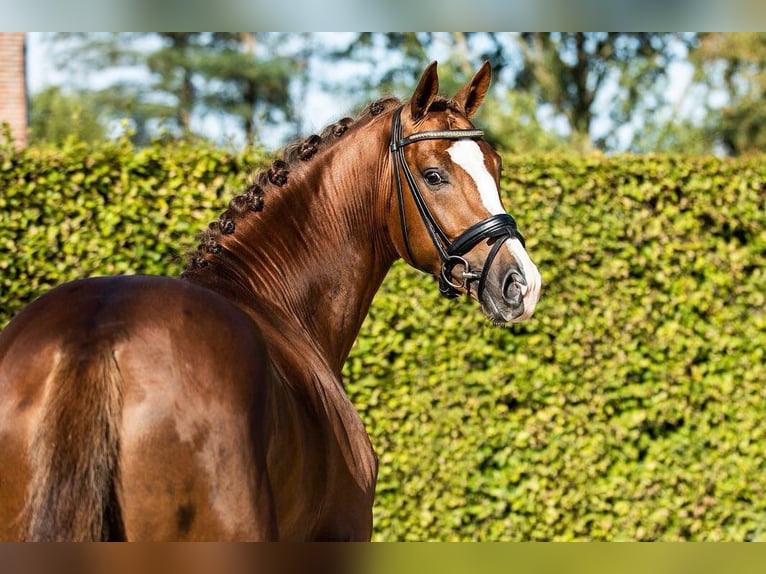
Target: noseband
point(499, 227)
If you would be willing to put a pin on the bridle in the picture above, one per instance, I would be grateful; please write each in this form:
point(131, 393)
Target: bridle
point(499, 227)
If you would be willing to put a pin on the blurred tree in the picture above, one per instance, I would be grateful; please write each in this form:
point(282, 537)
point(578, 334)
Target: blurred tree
point(511, 124)
point(250, 88)
point(606, 91)
point(571, 72)
point(733, 67)
point(108, 71)
point(161, 81)
point(676, 134)
point(383, 62)
point(567, 74)
point(392, 63)
point(57, 116)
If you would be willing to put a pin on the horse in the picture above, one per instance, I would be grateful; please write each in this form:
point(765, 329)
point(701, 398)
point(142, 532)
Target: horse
point(211, 406)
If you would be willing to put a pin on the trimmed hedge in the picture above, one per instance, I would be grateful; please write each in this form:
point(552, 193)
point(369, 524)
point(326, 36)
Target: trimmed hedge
point(79, 211)
point(631, 407)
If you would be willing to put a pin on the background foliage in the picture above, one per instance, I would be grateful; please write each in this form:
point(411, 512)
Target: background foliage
point(631, 407)
point(584, 91)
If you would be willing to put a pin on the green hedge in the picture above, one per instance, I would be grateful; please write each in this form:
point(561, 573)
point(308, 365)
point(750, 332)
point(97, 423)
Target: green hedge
point(631, 407)
point(79, 211)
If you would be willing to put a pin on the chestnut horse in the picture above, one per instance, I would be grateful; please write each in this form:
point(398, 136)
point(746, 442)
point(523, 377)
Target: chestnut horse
point(211, 407)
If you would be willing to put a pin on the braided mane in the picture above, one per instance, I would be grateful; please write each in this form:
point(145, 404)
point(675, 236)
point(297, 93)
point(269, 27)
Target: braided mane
point(252, 199)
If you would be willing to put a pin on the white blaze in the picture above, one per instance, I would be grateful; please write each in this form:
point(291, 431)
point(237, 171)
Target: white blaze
point(467, 154)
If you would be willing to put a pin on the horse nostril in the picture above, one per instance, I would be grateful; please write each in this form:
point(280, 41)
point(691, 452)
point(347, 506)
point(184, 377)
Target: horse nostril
point(513, 288)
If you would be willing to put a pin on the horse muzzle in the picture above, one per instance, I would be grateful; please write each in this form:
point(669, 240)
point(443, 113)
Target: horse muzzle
point(512, 287)
point(506, 282)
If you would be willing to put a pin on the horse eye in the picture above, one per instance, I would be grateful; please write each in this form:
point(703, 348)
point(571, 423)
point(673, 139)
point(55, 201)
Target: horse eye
point(433, 177)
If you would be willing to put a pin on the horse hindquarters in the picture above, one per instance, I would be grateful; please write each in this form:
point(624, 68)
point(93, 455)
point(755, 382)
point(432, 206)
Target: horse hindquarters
point(132, 408)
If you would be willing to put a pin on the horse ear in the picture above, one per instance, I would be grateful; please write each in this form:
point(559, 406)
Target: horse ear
point(424, 94)
point(471, 96)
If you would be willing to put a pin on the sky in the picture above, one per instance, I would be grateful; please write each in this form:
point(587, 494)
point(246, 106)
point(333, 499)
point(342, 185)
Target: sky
point(40, 72)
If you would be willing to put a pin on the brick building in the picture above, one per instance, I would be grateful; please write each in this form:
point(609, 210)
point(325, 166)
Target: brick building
point(13, 87)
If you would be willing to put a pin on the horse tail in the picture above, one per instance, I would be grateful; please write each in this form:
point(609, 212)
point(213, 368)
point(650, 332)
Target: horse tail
point(72, 495)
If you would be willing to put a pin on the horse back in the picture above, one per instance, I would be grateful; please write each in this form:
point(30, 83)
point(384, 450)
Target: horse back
point(132, 408)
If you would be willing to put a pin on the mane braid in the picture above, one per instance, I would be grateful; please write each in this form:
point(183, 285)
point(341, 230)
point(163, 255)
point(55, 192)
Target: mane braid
point(252, 199)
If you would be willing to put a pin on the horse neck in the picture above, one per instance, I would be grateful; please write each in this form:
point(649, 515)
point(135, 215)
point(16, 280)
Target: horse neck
point(317, 253)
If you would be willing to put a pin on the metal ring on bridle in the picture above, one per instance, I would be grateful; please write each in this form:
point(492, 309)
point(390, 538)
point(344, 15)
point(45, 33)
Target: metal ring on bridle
point(449, 265)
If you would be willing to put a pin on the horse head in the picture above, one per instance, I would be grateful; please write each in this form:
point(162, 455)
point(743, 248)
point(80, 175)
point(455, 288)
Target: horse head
point(446, 216)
